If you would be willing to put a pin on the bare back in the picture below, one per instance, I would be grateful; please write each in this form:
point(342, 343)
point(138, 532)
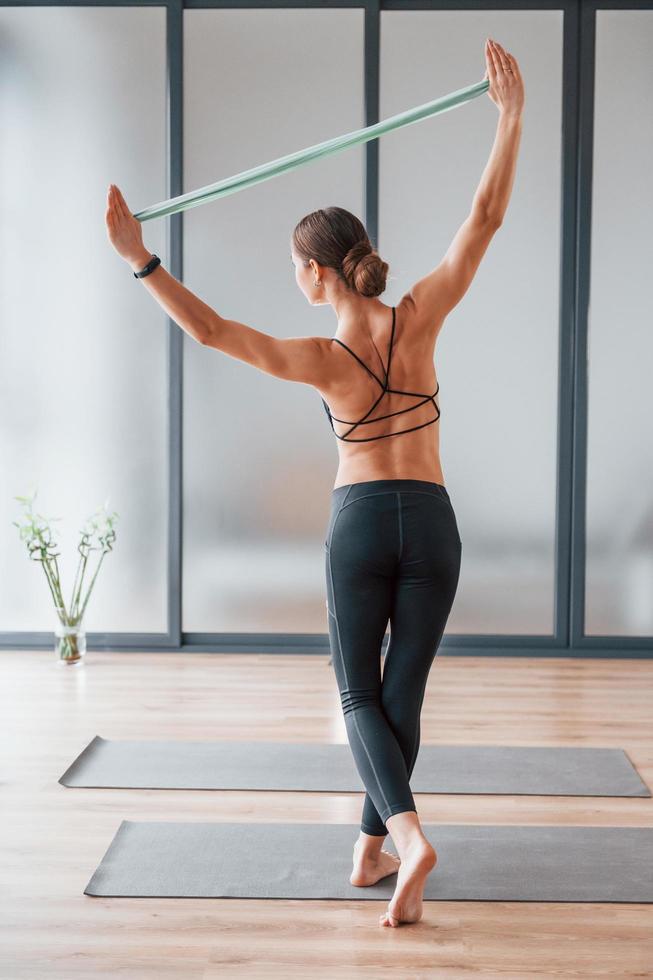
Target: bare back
point(380, 448)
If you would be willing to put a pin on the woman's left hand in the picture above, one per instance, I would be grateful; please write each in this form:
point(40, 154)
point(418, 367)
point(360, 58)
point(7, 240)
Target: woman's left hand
point(124, 230)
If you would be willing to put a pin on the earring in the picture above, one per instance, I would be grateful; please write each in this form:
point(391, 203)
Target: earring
point(317, 282)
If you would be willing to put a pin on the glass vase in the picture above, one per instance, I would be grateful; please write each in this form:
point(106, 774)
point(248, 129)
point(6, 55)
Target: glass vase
point(69, 641)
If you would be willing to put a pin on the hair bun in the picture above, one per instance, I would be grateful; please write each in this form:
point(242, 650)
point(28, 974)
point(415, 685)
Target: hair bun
point(357, 252)
point(338, 239)
point(364, 269)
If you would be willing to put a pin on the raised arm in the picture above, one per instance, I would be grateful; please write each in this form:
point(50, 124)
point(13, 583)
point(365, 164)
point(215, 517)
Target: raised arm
point(299, 359)
point(290, 358)
point(437, 293)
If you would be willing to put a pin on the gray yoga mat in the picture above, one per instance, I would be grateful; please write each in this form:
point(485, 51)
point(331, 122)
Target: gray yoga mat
point(314, 767)
point(307, 860)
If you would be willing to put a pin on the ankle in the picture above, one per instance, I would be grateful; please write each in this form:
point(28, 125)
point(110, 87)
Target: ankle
point(410, 842)
point(406, 832)
point(368, 846)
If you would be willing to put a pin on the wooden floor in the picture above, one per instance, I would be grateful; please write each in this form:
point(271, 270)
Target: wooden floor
point(53, 837)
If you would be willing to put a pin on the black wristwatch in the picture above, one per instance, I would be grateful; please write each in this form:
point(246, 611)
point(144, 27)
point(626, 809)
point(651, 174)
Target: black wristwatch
point(150, 267)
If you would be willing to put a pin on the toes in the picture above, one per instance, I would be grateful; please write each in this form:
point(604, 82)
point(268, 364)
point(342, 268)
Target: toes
point(388, 919)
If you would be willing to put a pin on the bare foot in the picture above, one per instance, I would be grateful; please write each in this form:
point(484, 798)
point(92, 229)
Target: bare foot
point(369, 869)
point(406, 903)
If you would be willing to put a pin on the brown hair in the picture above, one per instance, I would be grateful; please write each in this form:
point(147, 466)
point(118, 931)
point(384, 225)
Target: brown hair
point(336, 238)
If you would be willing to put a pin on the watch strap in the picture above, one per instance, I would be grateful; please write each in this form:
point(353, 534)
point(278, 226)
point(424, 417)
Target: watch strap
point(150, 267)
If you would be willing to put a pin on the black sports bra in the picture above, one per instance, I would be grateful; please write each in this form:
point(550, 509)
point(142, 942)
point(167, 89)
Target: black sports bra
point(417, 394)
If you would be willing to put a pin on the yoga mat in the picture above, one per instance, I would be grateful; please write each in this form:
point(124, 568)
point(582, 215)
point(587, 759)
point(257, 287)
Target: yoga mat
point(265, 171)
point(511, 770)
point(485, 863)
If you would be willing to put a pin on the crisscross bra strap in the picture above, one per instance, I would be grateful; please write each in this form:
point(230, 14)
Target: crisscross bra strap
point(384, 385)
point(392, 338)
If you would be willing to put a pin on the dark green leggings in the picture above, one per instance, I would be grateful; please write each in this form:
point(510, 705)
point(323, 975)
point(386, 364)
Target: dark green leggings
point(392, 554)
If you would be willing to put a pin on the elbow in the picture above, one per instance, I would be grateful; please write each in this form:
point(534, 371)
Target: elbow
point(205, 335)
point(494, 218)
point(487, 213)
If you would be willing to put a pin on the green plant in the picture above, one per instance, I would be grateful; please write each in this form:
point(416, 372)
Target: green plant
point(98, 534)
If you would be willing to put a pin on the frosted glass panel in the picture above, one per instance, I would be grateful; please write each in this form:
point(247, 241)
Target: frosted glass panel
point(259, 456)
point(83, 360)
point(496, 356)
point(619, 592)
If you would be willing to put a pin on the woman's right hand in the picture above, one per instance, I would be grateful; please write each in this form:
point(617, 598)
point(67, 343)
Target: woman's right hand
point(506, 87)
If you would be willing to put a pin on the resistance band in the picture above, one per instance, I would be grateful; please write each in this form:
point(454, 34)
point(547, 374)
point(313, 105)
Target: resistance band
point(267, 170)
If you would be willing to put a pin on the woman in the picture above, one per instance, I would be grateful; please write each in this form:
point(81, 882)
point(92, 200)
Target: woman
point(392, 549)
